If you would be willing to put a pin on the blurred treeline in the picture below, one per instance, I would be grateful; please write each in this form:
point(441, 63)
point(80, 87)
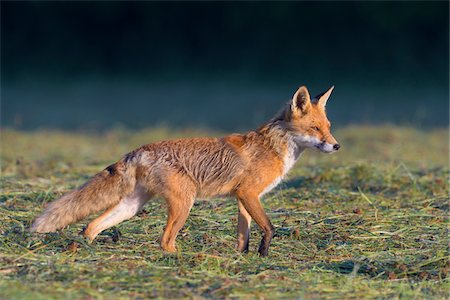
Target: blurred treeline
point(225, 65)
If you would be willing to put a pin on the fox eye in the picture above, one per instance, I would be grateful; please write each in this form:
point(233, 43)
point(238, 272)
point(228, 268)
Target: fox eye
point(316, 128)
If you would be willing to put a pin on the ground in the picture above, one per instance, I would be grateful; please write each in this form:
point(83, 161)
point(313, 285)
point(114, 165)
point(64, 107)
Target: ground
point(370, 221)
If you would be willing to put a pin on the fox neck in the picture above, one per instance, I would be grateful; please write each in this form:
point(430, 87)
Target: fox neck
point(282, 141)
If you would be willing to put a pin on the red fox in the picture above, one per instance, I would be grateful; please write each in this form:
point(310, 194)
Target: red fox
point(245, 166)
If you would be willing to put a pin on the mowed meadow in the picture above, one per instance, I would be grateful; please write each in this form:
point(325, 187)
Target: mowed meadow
point(370, 221)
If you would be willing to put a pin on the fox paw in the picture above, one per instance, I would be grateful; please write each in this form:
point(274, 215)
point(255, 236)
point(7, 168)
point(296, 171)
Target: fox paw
point(169, 249)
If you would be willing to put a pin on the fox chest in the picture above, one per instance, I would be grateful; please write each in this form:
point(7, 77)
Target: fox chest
point(287, 162)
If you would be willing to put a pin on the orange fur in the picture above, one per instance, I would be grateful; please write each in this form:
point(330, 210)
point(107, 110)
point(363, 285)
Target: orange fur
point(245, 166)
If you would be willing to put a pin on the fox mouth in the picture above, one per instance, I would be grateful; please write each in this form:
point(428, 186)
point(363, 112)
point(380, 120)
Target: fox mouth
point(313, 142)
point(325, 148)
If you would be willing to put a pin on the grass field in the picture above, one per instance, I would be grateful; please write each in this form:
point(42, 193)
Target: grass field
point(368, 222)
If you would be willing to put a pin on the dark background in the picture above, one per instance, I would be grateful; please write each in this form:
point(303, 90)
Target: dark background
point(221, 65)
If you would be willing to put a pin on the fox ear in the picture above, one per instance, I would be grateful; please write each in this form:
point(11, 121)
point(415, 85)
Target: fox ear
point(301, 101)
point(322, 99)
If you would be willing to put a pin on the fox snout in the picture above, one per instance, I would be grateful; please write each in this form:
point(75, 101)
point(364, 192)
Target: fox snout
point(328, 147)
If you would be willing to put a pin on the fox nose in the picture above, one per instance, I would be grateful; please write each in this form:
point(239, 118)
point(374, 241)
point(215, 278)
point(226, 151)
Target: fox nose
point(336, 147)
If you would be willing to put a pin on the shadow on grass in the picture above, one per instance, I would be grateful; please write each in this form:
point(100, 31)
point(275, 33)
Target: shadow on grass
point(353, 267)
point(296, 182)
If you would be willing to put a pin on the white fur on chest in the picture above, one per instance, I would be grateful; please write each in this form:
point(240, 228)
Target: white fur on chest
point(289, 160)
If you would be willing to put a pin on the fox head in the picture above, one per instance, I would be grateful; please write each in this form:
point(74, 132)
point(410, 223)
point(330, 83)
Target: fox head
point(307, 121)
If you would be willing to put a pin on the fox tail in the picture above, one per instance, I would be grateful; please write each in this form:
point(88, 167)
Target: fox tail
point(102, 191)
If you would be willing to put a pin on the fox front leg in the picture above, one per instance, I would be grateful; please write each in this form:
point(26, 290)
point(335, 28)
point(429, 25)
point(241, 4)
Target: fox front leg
point(254, 208)
point(243, 228)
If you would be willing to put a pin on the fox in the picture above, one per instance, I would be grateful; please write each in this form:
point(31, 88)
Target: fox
point(244, 166)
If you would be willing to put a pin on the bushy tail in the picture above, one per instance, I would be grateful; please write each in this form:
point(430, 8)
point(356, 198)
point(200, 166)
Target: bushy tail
point(102, 191)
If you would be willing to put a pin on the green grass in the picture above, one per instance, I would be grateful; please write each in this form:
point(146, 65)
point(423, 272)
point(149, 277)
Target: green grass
point(368, 222)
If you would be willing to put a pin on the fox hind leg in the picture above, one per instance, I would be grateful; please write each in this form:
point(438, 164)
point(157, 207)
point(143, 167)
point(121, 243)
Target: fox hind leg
point(178, 212)
point(124, 210)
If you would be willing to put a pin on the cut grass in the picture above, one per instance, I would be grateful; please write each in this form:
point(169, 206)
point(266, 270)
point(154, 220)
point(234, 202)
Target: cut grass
point(368, 222)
